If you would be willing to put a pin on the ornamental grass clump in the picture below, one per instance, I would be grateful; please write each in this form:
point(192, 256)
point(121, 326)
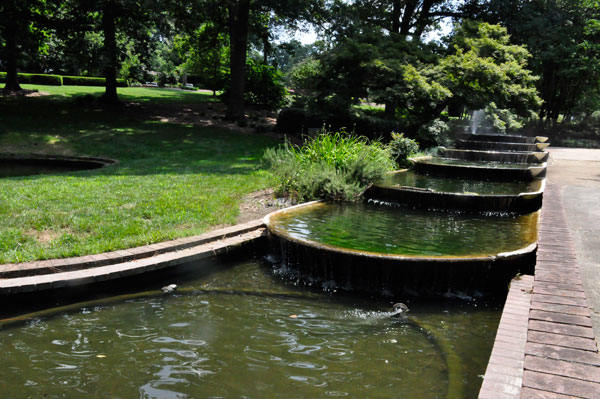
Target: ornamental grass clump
point(334, 166)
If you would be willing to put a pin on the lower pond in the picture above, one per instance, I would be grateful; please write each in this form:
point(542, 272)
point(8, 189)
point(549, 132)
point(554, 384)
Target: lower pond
point(244, 330)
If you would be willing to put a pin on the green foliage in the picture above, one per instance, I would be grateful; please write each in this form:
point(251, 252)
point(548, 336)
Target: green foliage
point(263, 86)
point(503, 120)
point(433, 133)
point(402, 148)
point(485, 67)
point(36, 78)
point(294, 121)
point(58, 80)
point(304, 75)
point(564, 39)
point(330, 166)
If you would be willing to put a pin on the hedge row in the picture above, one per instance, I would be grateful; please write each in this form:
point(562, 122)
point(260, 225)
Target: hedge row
point(58, 80)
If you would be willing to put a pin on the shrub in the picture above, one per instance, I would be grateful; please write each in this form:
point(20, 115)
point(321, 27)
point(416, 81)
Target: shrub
point(403, 148)
point(330, 166)
point(89, 81)
point(263, 86)
point(297, 120)
point(36, 78)
point(58, 80)
point(294, 121)
point(433, 133)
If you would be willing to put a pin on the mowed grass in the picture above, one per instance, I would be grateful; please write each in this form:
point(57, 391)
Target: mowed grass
point(171, 181)
point(154, 95)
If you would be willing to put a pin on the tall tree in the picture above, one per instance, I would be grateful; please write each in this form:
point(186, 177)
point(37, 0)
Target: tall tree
point(21, 29)
point(288, 12)
point(130, 19)
point(564, 38)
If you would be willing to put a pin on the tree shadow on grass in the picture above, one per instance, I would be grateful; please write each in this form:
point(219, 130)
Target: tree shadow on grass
point(142, 147)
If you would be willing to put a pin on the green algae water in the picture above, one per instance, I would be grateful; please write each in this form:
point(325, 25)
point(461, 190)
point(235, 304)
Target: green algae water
point(407, 231)
point(240, 331)
point(410, 178)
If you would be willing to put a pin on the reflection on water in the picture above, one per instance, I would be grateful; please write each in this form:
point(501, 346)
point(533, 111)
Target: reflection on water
point(408, 231)
point(218, 337)
point(410, 178)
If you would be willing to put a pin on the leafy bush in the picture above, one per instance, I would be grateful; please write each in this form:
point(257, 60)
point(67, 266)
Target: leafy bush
point(403, 148)
point(294, 121)
point(297, 120)
point(330, 166)
point(263, 86)
point(58, 80)
point(503, 120)
point(433, 133)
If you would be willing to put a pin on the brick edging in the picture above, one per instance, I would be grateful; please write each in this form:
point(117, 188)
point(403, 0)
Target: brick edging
point(16, 270)
point(504, 373)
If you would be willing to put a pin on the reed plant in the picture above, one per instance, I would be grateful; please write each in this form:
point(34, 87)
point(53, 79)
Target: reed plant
point(334, 166)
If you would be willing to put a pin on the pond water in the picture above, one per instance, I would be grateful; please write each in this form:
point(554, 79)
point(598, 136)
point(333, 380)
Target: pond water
point(12, 168)
point(477, 164)
point(15, 167)
point(359, 226)
point(410, 178)
point(241, 331)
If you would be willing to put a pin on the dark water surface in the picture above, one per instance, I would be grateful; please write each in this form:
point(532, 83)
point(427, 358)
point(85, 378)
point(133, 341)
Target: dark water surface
point(410, 178)
point(241, 332)
point(359, 226)
point(15, 168)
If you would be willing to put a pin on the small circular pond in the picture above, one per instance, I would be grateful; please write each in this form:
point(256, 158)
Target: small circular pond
point(15, 165)
point(413, 189)
point(409, 178)
point(479, 169)
point(409, 233)
point(404, 251)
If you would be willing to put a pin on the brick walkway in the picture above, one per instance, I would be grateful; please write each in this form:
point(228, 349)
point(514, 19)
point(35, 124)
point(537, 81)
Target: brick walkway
point(545, 345)
point(561, 357)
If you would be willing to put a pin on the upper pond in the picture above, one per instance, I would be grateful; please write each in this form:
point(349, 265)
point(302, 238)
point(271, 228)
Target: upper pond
point(409, 178)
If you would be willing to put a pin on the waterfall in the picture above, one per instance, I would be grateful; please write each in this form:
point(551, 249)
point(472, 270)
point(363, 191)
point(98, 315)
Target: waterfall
point(476, 120)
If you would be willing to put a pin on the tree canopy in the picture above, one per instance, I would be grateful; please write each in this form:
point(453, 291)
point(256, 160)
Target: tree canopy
point(522, 56)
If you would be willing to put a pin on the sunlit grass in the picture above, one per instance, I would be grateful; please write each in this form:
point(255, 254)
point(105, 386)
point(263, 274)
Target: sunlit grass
point(171, 181)
point(137, 94)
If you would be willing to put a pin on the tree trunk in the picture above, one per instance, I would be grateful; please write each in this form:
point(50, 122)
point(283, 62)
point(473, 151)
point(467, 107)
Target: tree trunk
point(407, 16)
point(12, 78)
point(239, 13)
point(396, 16)
point(110, 52)
point(390, 106)
point(266, 49)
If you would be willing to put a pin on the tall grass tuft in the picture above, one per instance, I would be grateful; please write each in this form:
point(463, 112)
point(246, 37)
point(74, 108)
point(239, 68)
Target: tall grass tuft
point(334, 166)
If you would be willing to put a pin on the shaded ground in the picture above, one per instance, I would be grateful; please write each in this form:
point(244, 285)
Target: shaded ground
point(577, 171)
point(182, 171)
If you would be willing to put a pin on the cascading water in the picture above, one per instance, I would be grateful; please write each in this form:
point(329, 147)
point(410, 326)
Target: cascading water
point(476, 119)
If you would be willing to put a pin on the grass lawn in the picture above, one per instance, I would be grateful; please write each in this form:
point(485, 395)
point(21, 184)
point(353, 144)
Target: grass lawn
point(172, 180)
